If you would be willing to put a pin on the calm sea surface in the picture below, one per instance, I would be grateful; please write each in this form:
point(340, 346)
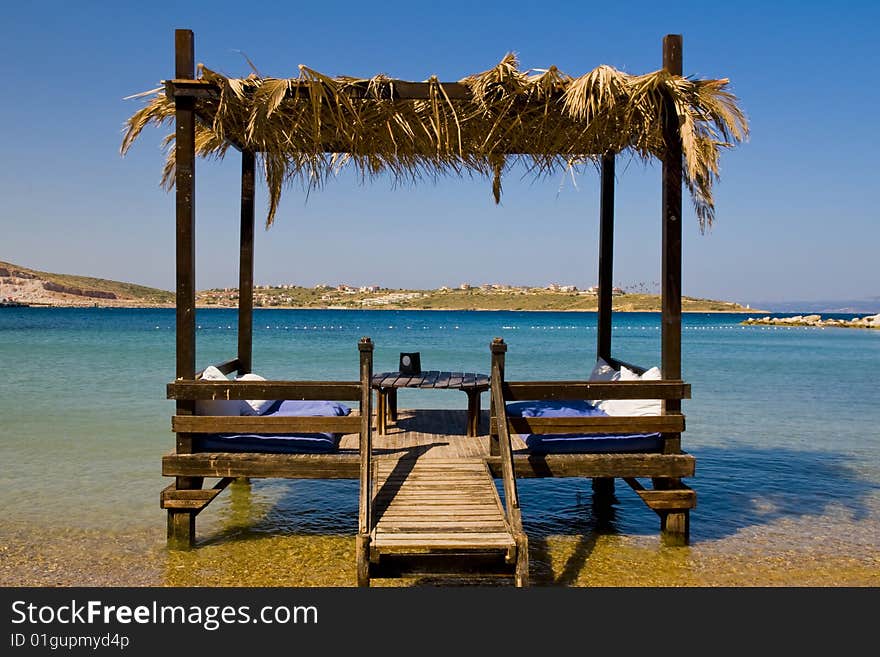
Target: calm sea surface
point(783, 424)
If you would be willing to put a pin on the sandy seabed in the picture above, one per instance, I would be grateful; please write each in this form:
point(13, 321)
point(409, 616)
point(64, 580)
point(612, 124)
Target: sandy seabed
point(51, 557)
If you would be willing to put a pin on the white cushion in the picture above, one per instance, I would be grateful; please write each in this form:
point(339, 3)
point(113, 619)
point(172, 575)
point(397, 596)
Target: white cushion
point(602, 372)
point(216, 406)
point(254, 406)
point(634, 407)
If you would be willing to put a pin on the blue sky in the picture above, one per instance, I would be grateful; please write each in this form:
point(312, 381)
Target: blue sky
point(797, 216)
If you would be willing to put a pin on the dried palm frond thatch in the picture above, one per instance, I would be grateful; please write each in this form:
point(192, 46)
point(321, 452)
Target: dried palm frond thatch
point(305, 128)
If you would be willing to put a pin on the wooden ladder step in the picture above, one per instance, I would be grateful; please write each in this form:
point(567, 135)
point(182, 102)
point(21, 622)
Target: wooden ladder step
point(191, 499)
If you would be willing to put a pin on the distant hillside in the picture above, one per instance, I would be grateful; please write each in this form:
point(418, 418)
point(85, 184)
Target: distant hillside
point(533, 298)
point(34, 287)
point(46, 288)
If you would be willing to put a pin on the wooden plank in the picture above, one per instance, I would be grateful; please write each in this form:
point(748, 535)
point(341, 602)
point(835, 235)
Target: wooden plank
point(246, 265)
point(597, 425)
point(422, 514)
point(405, 543)
point(578, 390)
point(606, 258)
point(462, 507)
point(478, 524)
point(190, 499)
point(386, 379)
point(599, 465)
point(424, 380)
point(405, 381)
point(397, 90)
point(267, 424)
point(680, 497)
point(313, 390)
point(443, 379)
point(455, 379)
point(427, 495)
point(249, 464)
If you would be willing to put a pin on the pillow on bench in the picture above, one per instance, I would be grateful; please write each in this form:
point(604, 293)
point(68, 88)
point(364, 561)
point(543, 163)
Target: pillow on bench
point(572, 443)
point(634, 407)
point(284, 443)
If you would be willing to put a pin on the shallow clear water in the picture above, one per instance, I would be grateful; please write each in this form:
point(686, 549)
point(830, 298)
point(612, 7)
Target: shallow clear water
point(783, 424)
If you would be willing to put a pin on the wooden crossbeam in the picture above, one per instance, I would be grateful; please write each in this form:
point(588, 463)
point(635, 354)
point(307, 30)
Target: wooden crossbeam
point(302, 390)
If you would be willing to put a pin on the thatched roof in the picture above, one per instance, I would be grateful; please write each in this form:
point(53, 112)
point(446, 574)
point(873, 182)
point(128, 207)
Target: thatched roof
point(307, 127)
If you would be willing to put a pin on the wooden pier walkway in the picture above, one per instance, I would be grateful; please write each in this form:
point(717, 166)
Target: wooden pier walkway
point(428, 510)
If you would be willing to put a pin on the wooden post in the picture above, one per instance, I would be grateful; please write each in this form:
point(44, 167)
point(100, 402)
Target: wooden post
point(606, 257)
point(674, 526)
point(184, 153)
point(498, 349)
point(181, 524)
point(181, 529)
point(473, 413)
point(603, 486)
point(671, 218)
point(246, 266)
point(671, 267)
point(365, 503)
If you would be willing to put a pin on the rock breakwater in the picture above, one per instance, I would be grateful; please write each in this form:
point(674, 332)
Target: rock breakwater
point(869, 322)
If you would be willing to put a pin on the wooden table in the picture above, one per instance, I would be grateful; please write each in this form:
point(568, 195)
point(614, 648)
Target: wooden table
point(387, 383)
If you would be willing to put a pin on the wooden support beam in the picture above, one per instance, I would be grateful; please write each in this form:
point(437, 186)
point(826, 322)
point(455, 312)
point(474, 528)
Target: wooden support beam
point(181, 529)
point(595, 465)
point(606, 258)
point(265, 424)
point(665, 499)
point(252, 464)
point(191, 500)
point(603, 486)
point(185, 154)
point(365, 510)
point(498, 350)
point(671, 218)
point(314, 390)
point(185, 209)
point(671, 266)
point(598, 424)
point(572, 390)
point(185, 87)
point(246, 266)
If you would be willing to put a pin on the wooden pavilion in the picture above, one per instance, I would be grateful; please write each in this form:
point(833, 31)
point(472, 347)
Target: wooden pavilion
point(427, 498)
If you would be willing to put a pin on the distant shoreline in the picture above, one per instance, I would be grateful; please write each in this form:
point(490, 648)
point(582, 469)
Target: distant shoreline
point(386, 308)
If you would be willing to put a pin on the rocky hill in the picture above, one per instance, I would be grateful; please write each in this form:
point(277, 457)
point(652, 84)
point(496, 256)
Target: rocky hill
point(40, 288)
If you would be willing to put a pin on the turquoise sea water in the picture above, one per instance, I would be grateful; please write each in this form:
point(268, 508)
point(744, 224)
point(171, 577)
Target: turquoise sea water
point(783, 424)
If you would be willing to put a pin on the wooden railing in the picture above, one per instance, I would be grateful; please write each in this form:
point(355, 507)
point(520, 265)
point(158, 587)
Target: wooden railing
point(365, 501)
point(511, 494)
